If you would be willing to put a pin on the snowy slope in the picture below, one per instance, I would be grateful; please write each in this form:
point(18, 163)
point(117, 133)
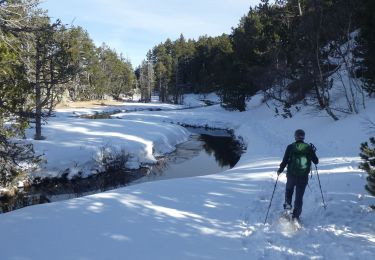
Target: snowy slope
point(218, 216)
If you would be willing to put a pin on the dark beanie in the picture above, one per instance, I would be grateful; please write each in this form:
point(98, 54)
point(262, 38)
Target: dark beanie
point(299, 135)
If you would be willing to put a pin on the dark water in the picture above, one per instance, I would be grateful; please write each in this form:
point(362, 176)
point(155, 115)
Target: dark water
point(206, 152)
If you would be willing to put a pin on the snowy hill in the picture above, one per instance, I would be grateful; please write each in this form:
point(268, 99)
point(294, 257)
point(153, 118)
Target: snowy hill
point(219, 216)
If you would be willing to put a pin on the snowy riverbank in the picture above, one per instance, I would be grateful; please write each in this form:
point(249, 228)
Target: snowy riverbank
point(218, 216)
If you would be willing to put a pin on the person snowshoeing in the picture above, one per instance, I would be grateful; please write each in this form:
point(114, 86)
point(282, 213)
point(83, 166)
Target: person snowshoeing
point(298, 157)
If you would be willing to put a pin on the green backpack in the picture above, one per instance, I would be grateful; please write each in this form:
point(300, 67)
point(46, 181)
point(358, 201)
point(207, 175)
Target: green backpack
point(300, 159)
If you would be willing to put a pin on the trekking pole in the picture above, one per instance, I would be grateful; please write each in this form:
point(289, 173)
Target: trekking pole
point(274, 188)
point(320, 186)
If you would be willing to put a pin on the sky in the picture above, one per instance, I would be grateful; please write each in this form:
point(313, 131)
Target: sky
point(132, 27)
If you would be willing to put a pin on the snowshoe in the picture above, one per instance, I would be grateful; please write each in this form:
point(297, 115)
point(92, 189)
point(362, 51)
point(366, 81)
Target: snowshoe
point(297, 223)
point(287, 213)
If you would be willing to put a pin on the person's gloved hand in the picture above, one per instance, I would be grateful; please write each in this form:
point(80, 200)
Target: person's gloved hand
point(279, 172)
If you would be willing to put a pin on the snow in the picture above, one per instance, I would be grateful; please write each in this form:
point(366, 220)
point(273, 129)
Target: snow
point(192, 100)
point(218, 216)
point(75, 143)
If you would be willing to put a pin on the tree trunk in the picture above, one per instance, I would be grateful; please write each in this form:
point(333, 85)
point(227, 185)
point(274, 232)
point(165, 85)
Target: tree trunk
point(299, 8)
point(38, 95)
point(323, 96)
point(331, 114)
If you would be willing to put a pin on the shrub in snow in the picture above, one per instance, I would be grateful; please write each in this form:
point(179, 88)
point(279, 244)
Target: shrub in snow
point(15, 158)
point(368, 156)
point(112, 159)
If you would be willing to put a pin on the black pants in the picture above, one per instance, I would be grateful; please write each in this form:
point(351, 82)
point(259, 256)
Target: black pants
point(300, 183)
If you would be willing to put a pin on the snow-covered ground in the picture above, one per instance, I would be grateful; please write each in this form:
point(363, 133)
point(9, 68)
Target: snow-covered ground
point(219, 216)
point(76, 143)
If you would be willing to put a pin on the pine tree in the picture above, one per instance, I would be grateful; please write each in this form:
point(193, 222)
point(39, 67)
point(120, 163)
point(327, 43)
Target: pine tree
point(367, 37)
point(51, 66)
point(84, 51)
point(368, 156)
point(14, 90)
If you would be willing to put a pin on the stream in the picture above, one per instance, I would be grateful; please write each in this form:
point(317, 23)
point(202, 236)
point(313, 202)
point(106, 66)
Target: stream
point(206, 152)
